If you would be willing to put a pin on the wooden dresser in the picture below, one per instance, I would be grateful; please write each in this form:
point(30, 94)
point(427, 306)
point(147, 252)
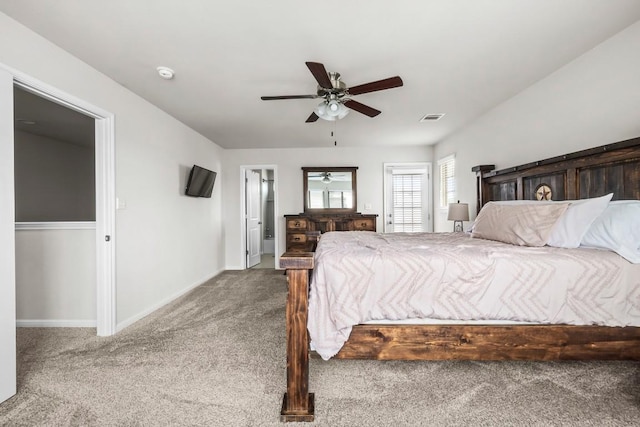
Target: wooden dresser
point(303, 229)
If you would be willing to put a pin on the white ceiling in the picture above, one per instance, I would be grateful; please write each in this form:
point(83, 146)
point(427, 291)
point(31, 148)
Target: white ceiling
point(459, 57)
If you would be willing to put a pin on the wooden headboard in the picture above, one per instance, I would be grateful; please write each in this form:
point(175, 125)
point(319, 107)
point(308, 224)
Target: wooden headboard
point(612, 168)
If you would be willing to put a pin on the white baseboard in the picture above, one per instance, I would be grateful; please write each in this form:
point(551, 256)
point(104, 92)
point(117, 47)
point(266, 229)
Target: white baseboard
point(46, 323)
point(130, 321)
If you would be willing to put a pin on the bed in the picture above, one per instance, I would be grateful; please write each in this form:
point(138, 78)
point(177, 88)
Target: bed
point(611, 169)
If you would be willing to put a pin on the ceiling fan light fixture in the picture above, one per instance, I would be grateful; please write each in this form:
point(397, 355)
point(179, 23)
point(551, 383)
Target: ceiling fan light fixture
point(331, 110)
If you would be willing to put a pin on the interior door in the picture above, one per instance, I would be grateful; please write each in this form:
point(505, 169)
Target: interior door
point(7, 243)
point(254, 217)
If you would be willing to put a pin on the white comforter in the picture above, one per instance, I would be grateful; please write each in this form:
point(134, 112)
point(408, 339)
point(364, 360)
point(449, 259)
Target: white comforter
point(362, 276)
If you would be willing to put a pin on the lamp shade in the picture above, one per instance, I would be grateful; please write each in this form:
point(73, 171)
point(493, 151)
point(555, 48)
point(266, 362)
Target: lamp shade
point(458, 212)
point(331, 110)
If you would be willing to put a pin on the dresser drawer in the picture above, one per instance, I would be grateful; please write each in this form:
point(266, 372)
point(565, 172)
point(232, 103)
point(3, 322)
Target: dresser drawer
point(303, 231)
point(297, 224)
point(296, 238)
point(364, 224)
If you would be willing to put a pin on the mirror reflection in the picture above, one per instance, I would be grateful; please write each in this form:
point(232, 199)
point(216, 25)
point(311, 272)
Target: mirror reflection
point(330, 189)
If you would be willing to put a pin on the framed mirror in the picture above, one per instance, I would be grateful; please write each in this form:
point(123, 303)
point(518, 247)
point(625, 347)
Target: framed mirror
point(329, 189)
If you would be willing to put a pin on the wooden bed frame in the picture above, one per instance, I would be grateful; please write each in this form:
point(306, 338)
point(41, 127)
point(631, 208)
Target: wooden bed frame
point(613, 168)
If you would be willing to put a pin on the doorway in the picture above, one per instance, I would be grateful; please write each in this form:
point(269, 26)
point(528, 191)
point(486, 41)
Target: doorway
point(259, 207)
point(104, 164)
point(55, 213)
point(407, 197)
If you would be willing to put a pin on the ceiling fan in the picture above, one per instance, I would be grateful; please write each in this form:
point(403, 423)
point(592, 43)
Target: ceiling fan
point(328, 177)
point(337, 96)
point(325, 177)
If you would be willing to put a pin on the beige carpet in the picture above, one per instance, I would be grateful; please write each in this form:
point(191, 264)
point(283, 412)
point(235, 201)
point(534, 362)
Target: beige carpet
point(216, 358)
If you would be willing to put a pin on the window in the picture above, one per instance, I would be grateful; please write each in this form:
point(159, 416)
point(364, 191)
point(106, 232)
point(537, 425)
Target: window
point(447, 166)
point(316, 199)
point(321, 199)
point(340, 199)
point(407, 204)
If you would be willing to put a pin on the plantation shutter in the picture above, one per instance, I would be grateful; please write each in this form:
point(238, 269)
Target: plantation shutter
point(447, 167)
point(407, 202)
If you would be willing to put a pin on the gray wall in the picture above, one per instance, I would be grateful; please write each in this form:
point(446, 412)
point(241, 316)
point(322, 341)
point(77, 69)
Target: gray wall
point(54, 180)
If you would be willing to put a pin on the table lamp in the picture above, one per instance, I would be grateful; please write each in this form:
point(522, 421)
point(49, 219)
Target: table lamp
point(458, 212)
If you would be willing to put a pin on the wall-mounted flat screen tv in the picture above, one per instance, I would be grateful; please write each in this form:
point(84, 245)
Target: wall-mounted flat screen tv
point(200, 182)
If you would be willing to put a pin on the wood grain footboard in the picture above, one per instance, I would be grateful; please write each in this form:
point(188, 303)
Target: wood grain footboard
point(298, 403)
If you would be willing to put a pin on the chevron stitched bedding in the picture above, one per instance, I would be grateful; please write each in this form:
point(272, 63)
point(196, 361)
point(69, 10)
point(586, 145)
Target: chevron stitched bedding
point(361, 276)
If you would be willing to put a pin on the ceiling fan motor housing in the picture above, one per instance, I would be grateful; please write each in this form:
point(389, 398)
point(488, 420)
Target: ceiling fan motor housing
point(338, 89)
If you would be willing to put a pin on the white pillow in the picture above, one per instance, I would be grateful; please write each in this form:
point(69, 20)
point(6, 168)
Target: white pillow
point(574, 223)
point(618, 230)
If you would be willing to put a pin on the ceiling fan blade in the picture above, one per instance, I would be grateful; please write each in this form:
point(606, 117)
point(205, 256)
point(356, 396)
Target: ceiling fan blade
point(312, 118)
point(361, 108)
point(389, 83)
point(320, 74)
point(273, 98)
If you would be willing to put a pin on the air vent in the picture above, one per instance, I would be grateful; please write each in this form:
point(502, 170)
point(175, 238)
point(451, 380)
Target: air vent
point(432, 117)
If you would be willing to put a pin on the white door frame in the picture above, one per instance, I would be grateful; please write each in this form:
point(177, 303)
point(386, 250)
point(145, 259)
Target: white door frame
point(243, 209)
point(105, 193)
point(8, 365)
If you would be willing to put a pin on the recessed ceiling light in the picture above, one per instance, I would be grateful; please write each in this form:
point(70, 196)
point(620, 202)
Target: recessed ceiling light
point(432, 117)
point(165, 72)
